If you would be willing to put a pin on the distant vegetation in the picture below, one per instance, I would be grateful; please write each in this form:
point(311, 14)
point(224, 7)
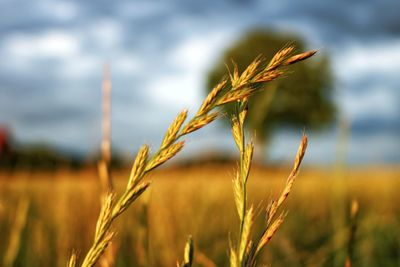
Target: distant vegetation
point(45, 157)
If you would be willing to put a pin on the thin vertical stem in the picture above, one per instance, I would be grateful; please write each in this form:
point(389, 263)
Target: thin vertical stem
point(104, 163)
point(243, 180)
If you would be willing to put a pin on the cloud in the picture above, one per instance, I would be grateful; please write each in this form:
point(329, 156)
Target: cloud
point(378, 102)
point(53, 52)
point(381, 147)
point(142, 9)
point(174, 90)
point(189, 62)
point(127, 64)
point(368, 81)
point(372, 59)
point(80, 66)
point(57, 10)
point(50, 44)
point(106, 34)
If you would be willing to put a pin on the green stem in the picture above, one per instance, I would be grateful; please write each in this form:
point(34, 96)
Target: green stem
point(242, 176)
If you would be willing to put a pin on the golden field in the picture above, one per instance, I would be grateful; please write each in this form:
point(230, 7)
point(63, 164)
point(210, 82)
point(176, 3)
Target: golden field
point(63, 207)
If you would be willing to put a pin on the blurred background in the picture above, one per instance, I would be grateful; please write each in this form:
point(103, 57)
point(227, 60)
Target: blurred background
point(164, 56)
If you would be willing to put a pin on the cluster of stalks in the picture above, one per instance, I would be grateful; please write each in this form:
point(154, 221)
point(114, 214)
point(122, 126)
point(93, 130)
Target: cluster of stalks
point(237, 88)
point(246, 250)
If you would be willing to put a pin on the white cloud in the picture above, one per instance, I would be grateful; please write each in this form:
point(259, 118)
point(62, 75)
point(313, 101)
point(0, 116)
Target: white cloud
point(142, 9)
point(380, 58)
point(175, 90)
point(107, 33)
point(50, 44)
point(198, 52)
point(374, 102)
point(190, 62)
point(25, 51)
point(126, 64)
point(59, 10)
point(80, 66)
point(368, 76)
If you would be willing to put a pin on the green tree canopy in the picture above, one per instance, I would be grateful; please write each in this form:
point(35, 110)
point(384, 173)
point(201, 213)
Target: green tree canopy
point(302, 98)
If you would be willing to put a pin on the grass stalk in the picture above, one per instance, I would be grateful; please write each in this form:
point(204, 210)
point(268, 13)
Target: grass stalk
point(187, 254)
point(18, 226)
point(104, 163)
point(352, 232)
point(246, 250)
point(238, 90)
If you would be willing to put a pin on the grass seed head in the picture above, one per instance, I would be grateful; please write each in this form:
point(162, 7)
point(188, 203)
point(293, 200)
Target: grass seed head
point(172, 132)
point(238, 195)
point(211, 98)
point(104, 219)
point(268, 76)
point(300, 154)
point(199, 122)
point(279, 57)
point(247, 227)
point(300, 57)
point(237, 133)
point(165, 155)
point(72, 260)
point(269, 233)
point(128, 197)
point(235, 95)
point(248, 156)
point(188, 252)
point(138, 167)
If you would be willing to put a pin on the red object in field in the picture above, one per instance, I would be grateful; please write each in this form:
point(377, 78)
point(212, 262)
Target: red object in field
point(4, 141)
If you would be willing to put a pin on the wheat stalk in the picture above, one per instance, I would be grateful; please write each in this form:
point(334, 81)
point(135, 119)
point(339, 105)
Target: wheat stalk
point(240, 88)
point(104, 163)
point(18, 225)
point(187, 254)
point(246, 251)
point(72, 260)
point(352, 232)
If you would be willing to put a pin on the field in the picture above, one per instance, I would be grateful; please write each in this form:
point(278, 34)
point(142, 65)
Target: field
point(62, 208)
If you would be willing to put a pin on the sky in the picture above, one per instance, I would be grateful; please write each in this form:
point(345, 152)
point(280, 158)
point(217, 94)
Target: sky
point(52, 54)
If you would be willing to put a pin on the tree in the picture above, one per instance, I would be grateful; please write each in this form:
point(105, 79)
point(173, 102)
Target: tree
point(302, 99)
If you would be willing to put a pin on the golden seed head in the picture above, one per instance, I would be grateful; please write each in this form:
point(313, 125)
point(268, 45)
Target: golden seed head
point(188, 252)
point(199, 122)
point(138, 166)
point(211, 98)
point(279, 57)
point(165, 155)
point(174, 128)
point(300, 57)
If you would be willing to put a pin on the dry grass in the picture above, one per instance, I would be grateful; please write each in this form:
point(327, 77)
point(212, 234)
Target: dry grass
point(247, 250)
point(241, 87)
point(199, 201)
point(17, 226)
